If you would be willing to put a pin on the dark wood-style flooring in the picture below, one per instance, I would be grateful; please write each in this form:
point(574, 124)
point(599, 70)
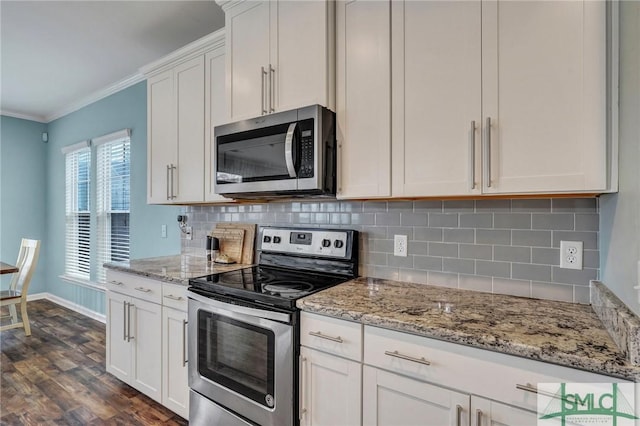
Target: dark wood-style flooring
point(57, 376)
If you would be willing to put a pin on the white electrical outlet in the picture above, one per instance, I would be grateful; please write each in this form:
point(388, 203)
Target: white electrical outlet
point(400, 245)
point(571, 254)
point(163, 231)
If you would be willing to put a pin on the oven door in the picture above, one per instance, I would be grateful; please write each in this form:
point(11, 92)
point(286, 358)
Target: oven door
point(242, 359)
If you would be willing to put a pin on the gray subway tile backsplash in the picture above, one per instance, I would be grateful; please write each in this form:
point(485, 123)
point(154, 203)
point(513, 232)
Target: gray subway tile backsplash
point(493, 245)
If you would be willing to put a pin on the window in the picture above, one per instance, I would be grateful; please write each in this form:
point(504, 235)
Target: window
point(112, 203)
point(78, 217)
point(97, 230)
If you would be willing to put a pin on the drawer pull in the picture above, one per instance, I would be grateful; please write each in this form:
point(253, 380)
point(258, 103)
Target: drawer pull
point(324, 336)
point(172, 297)
point(116, 283)
point(144, 290)
point(528, 388)
point(478, 417)
point(396, 354)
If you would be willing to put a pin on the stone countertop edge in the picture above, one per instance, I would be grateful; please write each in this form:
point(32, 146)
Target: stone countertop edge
point(176, 269)
point(561, 333)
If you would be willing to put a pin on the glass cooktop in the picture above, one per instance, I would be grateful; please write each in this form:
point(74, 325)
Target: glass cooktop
point(262, 284)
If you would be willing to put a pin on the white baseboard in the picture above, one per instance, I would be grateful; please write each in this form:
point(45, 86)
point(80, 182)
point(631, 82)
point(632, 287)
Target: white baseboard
point(69, 305)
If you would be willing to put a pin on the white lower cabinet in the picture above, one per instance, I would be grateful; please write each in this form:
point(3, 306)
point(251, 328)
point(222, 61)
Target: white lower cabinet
point(175, 385)
point(146, 338)
point(330, 389)
point(133, 349)
point(393, 400)
point(414, 380)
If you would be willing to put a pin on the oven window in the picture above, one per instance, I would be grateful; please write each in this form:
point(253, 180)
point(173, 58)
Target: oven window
point(237, 355)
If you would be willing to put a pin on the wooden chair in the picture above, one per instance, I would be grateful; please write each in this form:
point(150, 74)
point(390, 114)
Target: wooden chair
point(17, 293)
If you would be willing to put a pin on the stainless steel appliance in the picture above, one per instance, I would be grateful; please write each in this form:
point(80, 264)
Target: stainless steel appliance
point(244, 326)
point(287, 154)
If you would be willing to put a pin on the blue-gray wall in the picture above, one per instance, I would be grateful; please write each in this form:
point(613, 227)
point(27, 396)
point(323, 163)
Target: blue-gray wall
point(22, 194)
point(620, 213)
point(125, 109)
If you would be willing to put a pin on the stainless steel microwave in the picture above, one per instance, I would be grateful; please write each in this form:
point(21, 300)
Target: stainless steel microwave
point(286, 154)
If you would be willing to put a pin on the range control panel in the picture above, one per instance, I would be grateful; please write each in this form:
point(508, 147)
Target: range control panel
point(311, 242)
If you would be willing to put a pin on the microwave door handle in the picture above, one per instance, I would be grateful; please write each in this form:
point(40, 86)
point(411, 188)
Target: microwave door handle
point(288, 149)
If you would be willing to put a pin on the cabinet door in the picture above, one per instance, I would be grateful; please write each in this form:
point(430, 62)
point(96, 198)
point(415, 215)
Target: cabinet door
point(436, 95)
point(188, 177)
point(118, 349)
point(175, 386)
point(146, 324)
point(215, 113)
point(330, 389)
point(393, 400)
point(363, 105)
point(544, 90)
point(161, 136)
point(302, 34)
point(485, 412)
point(247, 50)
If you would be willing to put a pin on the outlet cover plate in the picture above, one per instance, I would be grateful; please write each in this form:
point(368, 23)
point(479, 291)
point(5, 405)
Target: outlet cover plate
point(571, 254)
point(400, 245)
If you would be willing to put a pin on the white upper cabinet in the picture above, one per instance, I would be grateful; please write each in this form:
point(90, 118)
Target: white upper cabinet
point(363, 82)
point(185, 98)
point(437, 99)
point(544, 91)
point(485, 97)
point(279, 56)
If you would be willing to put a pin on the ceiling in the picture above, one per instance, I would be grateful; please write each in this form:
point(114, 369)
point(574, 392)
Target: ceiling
point(57, 56)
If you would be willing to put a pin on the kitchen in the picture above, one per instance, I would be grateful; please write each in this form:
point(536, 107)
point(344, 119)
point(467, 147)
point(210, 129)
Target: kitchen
point(447, 238)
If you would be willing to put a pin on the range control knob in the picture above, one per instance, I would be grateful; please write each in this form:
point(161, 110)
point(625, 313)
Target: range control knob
point(326, 243)
point(338, 243)
point(266, 239)
point(276, 240)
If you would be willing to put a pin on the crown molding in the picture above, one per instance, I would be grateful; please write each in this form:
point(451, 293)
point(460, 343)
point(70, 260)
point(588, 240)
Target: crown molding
point(37, 118)
point(96, 96)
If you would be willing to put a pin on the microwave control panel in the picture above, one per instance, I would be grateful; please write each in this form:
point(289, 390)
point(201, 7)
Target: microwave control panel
point(306, 150)
point(309, 242)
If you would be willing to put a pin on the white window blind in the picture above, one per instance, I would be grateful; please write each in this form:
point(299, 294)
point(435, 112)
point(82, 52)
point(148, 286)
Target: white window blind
point(112, 199)
point(78, 218)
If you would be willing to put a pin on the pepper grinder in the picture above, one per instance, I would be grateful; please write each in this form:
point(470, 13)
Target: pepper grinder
point(213, 246)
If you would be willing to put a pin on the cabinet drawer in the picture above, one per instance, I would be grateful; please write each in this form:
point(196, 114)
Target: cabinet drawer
point(134, 285)
point(335, 336)
point(476, 371)
point(174, 296)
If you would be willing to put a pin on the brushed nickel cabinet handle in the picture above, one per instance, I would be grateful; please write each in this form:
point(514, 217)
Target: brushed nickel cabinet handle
point(184, 342)
point(173, 182)
point(472, 156)
point(272, 83)
point(527, 388)
point(124, 321)
point(397, 354)
point(324, 336)
point(303, 390)
point(116, 283)
point(130, 305)
point(168, 187)
point(458, 415)
point(487, 157)
point(143, 289)
point(172, 297)
point(263, 101)
point(478, 417)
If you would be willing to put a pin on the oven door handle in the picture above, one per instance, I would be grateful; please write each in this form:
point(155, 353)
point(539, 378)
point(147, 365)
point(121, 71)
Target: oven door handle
point(244, 310)
point(288, 149)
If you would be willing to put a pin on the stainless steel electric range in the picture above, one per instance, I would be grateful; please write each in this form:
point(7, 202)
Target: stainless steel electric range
point(244, 326)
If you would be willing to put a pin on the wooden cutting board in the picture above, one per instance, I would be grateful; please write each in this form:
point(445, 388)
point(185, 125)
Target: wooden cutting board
point(231, 242)
point(249, 238)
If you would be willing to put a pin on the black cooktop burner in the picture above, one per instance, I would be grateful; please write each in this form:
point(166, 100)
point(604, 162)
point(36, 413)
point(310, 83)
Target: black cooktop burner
point(273, 286)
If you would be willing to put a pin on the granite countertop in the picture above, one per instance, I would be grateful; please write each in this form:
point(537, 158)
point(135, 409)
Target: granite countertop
point(177, 269)
point(562, 333)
